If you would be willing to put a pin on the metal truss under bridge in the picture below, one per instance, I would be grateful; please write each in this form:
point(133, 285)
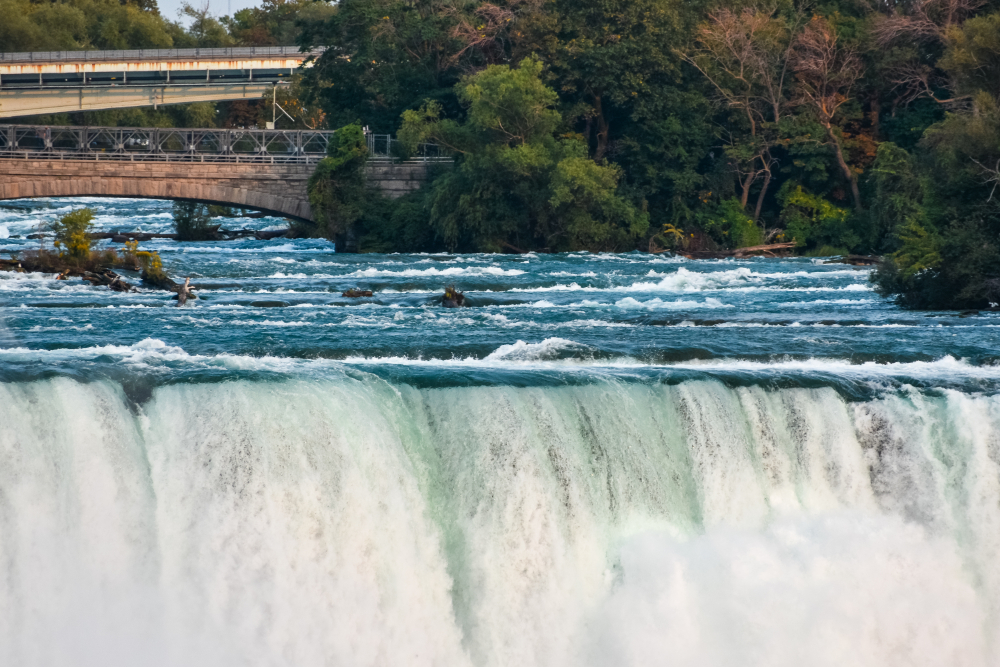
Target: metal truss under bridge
point(146, 144)
point(140, 144)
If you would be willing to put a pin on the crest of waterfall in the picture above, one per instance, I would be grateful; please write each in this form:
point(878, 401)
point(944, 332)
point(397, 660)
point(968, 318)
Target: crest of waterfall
point(364, 522)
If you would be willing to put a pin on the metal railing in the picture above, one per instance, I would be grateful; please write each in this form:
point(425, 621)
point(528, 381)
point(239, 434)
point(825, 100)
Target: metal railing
point(161, 144)
point(154, 54)
point(383, 147)
point(151, 144)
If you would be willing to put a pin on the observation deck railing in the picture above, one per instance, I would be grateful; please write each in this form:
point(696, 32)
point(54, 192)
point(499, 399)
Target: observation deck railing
point(384, 148)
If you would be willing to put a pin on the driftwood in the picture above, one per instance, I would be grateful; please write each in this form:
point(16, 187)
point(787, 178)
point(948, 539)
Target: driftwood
point(771, 249)
point(356, 293)
point(107, 277)
point(452, 298)
point(218, 234)
point(856, 260)
point(513, 247)
point(184, 292)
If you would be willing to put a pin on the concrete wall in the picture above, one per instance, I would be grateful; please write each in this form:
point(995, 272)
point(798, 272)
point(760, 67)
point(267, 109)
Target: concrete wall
point(278, 189)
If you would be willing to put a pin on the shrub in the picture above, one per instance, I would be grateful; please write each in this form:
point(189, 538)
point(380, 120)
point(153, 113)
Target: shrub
point(733, 227)
point(337, 192)
point(73, 235)
point(813, 222)
point(193, 222)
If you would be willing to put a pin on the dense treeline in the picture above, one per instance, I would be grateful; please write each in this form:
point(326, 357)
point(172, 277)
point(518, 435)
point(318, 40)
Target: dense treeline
point(864, 127)
point(845, 126)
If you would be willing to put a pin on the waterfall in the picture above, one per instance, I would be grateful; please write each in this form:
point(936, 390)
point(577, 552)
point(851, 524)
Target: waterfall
point(356, 521)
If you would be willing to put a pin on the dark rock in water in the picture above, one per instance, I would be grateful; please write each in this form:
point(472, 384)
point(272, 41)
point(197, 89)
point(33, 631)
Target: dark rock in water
point(356, 293)
point(11, 265)
point(159, 281)
point(452, 298)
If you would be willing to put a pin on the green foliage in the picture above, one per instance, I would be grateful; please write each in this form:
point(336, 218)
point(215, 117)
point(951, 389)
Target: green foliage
point(973, 55)
point(813, 222)
point(732, 227)
point(192, 221)
point(81, 24)
point(72, 234)
point(517, 185)
point(337, 192)
point(896, 196)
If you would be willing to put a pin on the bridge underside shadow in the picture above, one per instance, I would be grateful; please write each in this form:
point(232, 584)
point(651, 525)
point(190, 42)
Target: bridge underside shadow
point(277, 189)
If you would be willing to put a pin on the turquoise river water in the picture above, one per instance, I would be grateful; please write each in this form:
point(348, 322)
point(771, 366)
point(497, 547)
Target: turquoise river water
point(606, 459)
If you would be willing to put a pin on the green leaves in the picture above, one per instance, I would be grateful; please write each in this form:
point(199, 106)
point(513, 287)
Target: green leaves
point(513, 105)
point(337, 193)
point(517, 185)
point(72, 234)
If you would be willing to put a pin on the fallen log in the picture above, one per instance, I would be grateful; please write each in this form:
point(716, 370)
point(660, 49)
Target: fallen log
point(356, 293)
point(770, 249)
point(856, 260)
point(107, 278)
point(267, 235)
point(217, 235)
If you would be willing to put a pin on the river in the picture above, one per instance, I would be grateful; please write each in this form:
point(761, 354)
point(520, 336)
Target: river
point(607, 459)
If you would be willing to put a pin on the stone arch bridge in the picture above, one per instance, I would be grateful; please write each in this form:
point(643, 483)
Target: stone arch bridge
point(266, 170)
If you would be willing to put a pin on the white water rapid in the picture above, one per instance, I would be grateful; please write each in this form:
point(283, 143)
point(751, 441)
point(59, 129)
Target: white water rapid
point(357, 522)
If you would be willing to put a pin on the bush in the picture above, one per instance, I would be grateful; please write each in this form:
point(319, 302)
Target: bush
point(813, 222)
point(732, 227)
point(337, 193)
point(193, 222)
point(73, 235)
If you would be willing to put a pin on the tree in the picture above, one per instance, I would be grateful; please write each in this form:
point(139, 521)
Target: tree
point(337, 192)
point(603, 56)
point(745, 55)
point(192, 221)
point(517, 185)
point(386, 56)
point(826, 70)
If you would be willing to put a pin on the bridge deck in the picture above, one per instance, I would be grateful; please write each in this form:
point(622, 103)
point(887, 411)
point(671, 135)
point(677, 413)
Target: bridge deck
point(149, 67)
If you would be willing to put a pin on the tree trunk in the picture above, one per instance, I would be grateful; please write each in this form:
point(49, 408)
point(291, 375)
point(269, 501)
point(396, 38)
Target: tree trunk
point(844, 167)
point(876, 119)
point(602, 130)
point(745, 197)
point(763, 192)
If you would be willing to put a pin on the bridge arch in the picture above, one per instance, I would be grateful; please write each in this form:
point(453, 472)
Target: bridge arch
point(278, 189)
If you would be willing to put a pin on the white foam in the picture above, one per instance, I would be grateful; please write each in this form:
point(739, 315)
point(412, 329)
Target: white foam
point(434, 271)
point(659, 304)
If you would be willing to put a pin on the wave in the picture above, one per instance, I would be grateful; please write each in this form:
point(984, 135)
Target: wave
point(433, 271)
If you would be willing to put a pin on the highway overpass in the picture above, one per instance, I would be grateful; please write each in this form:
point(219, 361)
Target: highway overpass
point(62, 81)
